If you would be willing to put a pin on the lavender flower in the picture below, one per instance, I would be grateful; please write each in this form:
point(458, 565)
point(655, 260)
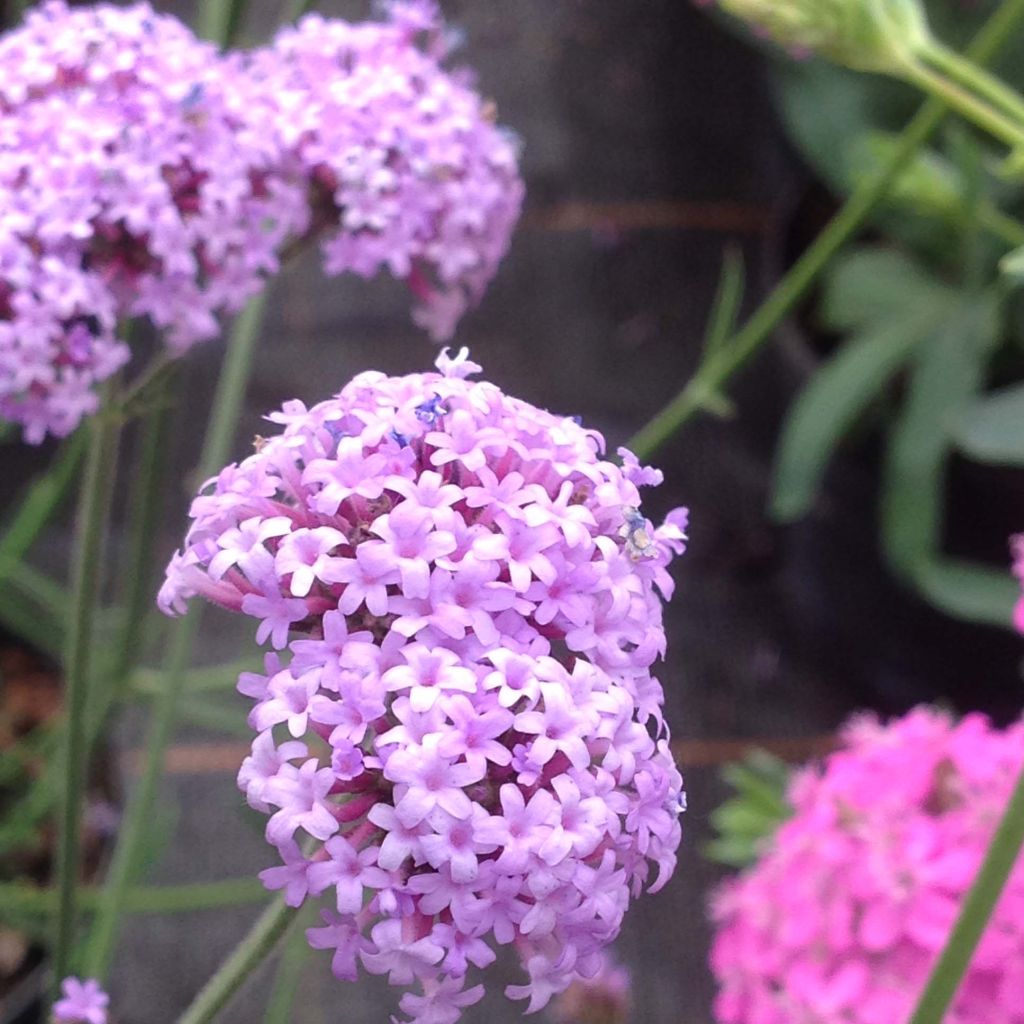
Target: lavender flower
point(145, 175)
point(130, 187)
point(406, 168)
point(83, 1002)
point(466, 635)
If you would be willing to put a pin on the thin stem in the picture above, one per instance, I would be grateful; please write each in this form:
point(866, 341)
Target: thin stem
point(730, 357)
point(972, 77)
point(980, 902)
point(40, 502)
point(227, 404)
point(269, 929)
point(220, 20)
point(146, 505)
point(288, 977)
point(94, 509)
point(18, 900)
point(976, 110)
point(1006, 228)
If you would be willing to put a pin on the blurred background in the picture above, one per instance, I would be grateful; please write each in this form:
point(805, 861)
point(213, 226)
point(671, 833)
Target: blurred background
point(655, 138)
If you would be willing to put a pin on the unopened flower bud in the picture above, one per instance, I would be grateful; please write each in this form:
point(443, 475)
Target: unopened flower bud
point(868, 35)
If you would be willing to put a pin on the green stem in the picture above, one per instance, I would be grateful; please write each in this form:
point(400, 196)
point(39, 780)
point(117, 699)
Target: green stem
point(265, 934)
point(975, 913)
point(227, 404)
point(220, 20)
point(94, 510)
point(19, 901)
point(976, 110)
point(288, 977)
point(979, 81)
point(146, 505)
point(726, 360)
point(1006, 228)
point(297, 9)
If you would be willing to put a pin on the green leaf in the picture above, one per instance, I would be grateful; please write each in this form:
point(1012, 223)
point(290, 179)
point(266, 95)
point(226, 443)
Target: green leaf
point(969, 591)
point(946, 378)
point(746, 820)
point(992, 428)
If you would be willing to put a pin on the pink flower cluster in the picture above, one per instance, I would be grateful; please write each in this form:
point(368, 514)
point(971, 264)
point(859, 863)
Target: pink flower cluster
point(144, 175)
point(460, 711)
point(843, 917)
point(1017, 547)
point(83, 1002)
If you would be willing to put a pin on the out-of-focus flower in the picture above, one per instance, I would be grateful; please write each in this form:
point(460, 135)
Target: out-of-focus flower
point(842, 919)
point(475, 735)
point(603, 998)
point(870, 35)
point(130, 187)
point(406, 169)
point(83, 1002)
point(142, 174)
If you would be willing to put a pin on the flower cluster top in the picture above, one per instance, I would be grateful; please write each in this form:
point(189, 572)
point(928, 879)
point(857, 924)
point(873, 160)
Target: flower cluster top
point(462, 597)
point(842, 919)
point(145, 175)
point(1017, 545)
point(81, 1002)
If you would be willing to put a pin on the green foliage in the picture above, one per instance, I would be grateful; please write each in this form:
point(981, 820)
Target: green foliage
point(749, 818)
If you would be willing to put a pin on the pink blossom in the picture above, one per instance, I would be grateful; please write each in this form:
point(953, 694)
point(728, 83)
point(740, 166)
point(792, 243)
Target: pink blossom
point(844, 915)
point(1017, 545)
point(82, 1002)
point(469, 659)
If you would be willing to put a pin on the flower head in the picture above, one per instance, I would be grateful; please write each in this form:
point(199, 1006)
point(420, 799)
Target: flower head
point(144, 174)
point(843, 917)
point(405, 166)
point(83, 1002)
point(480, 771)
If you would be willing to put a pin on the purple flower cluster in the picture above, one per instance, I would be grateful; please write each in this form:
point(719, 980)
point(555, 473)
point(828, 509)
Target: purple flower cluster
point(83, 1002)
point(402, 155)
point(142, 174)
point(462, 596)
point(845, 914)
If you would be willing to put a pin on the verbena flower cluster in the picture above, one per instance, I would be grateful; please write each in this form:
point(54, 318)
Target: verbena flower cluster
point(400, 154)
point(82, 1002)
point(145, 175)
point(1017, 546)
point(462, 595)
point(842, 919)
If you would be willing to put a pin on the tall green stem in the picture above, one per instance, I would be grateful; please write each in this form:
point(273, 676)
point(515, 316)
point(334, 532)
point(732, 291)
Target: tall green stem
point(706, 384)
point(103, 432)
point(979, 81)
point(269, 929)
point(227, 404)
point(220, 20)
point(981, 900)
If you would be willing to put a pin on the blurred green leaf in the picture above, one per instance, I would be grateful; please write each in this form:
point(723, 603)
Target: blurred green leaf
point(751, 816)
point(992, 428)
point(948, 374)
point(890, 306)
point(969, 591)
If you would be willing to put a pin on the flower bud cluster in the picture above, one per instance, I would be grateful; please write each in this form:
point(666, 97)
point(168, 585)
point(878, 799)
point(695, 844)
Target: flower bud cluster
point(844, 916)
point(463, 600)
point(142, 174)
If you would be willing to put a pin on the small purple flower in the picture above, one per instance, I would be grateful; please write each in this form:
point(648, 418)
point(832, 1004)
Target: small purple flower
point(83, 1002)
point(468, 656)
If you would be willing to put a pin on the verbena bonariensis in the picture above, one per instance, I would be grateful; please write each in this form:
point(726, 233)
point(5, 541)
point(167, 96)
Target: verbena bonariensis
point(81, 1002)
point(461, 594)
point(143, 174)
point(398, 152)
point(843, 917)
